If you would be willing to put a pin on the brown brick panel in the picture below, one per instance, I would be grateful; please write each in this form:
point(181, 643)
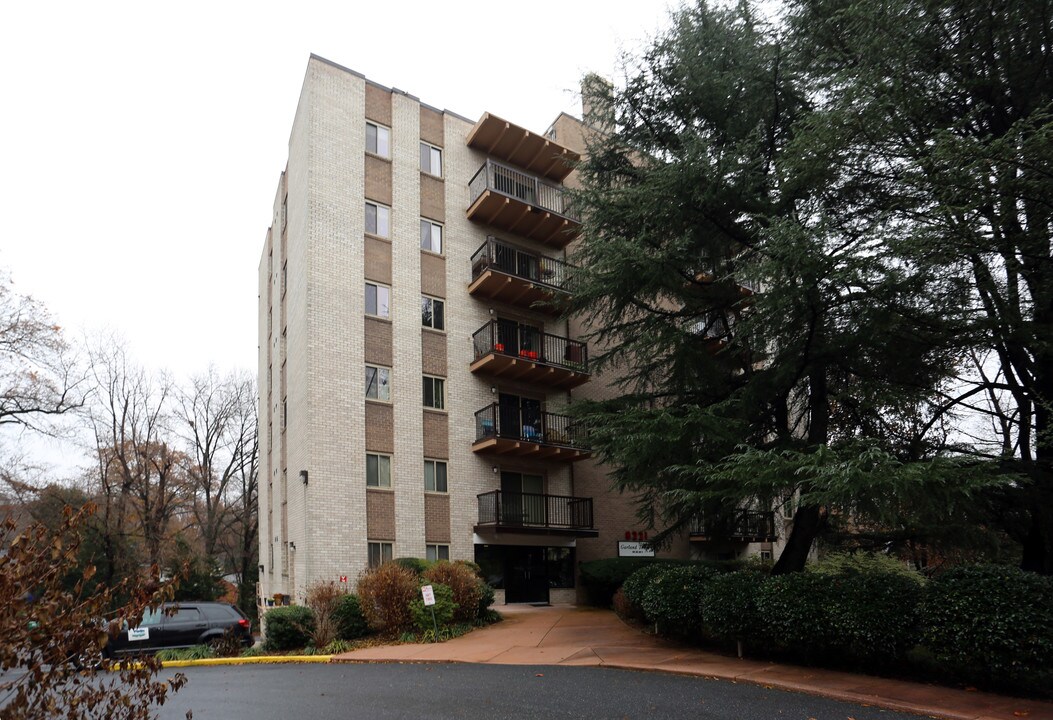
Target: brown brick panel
point(380, 428)
point(433, 275)
point(431, 126)
point(433, 352)
point(436, 518)
point(378, 260)
point(378, 180)
point(380, 514)
point(432, 198)
point(378, 342)
point(378, 104)
point(436, 435)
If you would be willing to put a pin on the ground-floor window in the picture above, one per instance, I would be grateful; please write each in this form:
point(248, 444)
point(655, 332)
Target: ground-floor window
point(438, 552)
point(379, 553)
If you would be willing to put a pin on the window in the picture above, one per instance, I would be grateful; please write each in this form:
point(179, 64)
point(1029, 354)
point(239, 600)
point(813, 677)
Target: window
point(378, 300)
point(378, 383)
point(379, 553)
point(438, 552)
point(378, 471)
point(435, 476)
point(431, 236)
point(378, 140)
point(432, 313)
point(378, 220)
point(434, 392)
point(285, 413)
point(430, 159)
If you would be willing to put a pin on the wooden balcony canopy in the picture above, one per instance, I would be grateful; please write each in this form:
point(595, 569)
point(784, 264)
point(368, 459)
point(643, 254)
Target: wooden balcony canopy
point(518, 146)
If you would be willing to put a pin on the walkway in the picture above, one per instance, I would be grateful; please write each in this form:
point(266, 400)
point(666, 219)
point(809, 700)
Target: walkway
point(568, 635)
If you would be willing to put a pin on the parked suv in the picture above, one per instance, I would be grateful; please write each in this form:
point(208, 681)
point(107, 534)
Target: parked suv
point(181, 625)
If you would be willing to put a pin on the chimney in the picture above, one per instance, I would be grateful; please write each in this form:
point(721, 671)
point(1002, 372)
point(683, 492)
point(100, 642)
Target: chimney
point(597, 102)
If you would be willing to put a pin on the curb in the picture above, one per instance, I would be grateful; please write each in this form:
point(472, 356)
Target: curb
point(258, 660)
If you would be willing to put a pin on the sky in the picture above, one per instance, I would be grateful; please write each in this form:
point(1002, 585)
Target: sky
point(142, 142)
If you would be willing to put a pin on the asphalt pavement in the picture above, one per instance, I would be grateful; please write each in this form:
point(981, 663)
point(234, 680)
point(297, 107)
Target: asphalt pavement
point(486, 692)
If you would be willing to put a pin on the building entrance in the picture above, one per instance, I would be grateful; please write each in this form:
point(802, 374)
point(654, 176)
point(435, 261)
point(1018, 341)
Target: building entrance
point(526, 577)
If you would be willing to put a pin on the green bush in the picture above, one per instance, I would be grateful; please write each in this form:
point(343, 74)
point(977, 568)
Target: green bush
point(350, 622)
point(863, 563)
point(601, 578)
point(794, 608)
point(416, 565)
point(729, 606)
point(443, 609)
point(634, 586)
point(991, 623)
point(289, 627)
point(486, 599)
point(873, 616)
point(673, 598)
point(463, 582)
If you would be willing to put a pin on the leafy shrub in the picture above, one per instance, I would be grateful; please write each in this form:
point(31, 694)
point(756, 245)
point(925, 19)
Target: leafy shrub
point(255, 651)
point(288, 627)
point(673, 598)
point(729, 606)
point(794, 608)
point(625, 609)
point(863, 563)
point(350, 621)
point(196, 652)
point(463, 582)
point(635, 585)
point(443, 610)
point(873, 616)
point(486, 599)
point(385, 594)
point(992, 622)
point(227, 645)
point(474, 567)
point(601, 578)
point(416, 565)
point(338, 646)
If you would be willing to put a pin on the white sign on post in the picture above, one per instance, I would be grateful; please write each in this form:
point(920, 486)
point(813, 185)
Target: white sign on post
point(634, 549)
point(429, 595)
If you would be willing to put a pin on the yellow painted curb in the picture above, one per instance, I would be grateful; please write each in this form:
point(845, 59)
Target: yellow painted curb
point(257, 660)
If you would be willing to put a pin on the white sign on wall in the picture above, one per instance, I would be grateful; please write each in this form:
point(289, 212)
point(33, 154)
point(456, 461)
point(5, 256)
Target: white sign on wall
point(429, 595)
point(634, 549)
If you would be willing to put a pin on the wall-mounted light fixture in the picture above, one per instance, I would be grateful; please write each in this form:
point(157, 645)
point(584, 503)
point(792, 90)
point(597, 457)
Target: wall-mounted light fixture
point(493, 390)
point(303, 476)
point(496, 469)
point(292, 545)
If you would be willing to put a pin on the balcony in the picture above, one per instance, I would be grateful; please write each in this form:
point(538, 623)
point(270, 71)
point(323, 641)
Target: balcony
point(511, 351)
point(508, 274)
point(530, 513)
point(743, 526)
point(511, 200)
point(514, 431)
point(518, 146)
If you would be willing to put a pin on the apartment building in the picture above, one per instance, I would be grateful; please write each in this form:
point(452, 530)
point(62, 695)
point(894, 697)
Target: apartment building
point(414, 365)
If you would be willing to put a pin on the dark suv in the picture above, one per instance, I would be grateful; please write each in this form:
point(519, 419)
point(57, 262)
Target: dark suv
point(181, 625)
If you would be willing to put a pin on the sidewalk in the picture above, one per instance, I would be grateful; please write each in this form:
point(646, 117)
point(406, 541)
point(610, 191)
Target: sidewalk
point(569, 635)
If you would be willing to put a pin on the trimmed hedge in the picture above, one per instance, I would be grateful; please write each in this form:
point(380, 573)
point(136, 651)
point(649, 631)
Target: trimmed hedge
point(729, 606)
point(289, 627)
point(794, 608)
point(874, 616)
point(602, 578)
point(673, 596)
point(637, 583)
point(350, 622)
point(991, 621)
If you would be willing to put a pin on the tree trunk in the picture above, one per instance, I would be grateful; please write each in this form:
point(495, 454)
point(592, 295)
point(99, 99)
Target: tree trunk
point(807, 522)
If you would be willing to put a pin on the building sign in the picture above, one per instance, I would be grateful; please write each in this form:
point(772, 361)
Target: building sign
point(634, 549)
point(343, 578)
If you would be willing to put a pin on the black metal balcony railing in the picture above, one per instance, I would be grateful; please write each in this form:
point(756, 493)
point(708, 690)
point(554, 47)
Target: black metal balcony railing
point(499, 256)
point(534, 510)
point(522, 186)
point(530, 344)
point(513, 422)
point(741, 525)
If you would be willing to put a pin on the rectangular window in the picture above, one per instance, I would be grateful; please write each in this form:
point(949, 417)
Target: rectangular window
point(434, 392)
point(432, 313)
point(431, 236)
point(378, 471)
point(379, 553)
point(378, 300)
point(431, 159)
point(435, 476)
point(378, 220)
point(378, 383)
point(378, 140)
point(438, 552)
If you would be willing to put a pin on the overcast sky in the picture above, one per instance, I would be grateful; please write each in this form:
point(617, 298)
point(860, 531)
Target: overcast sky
point(142, 142)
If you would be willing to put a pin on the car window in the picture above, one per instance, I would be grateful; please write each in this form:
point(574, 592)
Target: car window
point(151, 616)
point(218, 612)
point(183, 614)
